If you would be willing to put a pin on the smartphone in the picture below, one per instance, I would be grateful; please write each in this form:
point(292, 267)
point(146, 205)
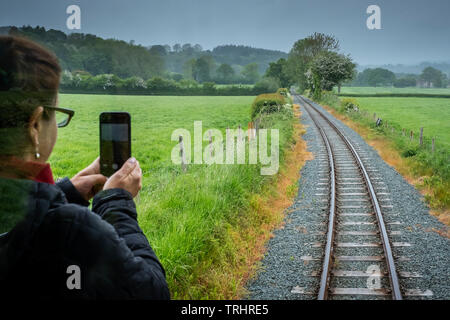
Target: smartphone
point(115, 141)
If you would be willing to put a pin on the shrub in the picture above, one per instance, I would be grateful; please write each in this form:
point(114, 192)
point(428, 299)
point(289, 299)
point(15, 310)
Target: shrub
point(349, 105)
point(267, 103)
point(209, 87)
point(410, 151)
point(329, 99)
point(283, 91)
point(267, 85)
point(405, 82)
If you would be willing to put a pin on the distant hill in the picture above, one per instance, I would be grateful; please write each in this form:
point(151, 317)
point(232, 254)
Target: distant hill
point(235, 55)
point(408, 69)
point(87, 52)
point(243, 55)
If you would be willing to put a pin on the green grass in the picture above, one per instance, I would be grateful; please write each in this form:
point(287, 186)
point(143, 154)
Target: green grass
point(433, 114)
point(378, 90)
point(185, 216)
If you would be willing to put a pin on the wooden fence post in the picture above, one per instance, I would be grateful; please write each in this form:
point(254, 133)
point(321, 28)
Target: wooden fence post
point(432, 144)
point(403, 132)
point(250, 131)
point(182, 155)
point(421, 136)
point(374, 116)
point(411, 135)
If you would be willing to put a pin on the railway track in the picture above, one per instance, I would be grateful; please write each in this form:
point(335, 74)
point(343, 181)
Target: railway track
point(351, 192)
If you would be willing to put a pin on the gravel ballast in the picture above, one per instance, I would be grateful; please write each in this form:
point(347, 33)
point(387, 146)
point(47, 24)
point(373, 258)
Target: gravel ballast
point(284, 271)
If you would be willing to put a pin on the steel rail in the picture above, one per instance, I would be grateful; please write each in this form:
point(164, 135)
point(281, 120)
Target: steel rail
point(328, 259)
point(393, 276)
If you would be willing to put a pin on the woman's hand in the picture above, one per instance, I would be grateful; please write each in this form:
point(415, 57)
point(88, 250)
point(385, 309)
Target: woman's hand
point(89, 181)
point(129, 177)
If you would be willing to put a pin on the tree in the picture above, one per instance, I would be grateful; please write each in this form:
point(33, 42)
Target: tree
point(187, 48)
point(267, 84)
point(433, 77)
point(278, 70)
point(376, 77)
point(304, 51)
point(188, 68)
point(380, 77)
point(406, 81)
point(330, 69)
point(250, 73)
point(201, 70)
point(176, 48)
point(158, 50)
point(225, 73)
point(198, 48)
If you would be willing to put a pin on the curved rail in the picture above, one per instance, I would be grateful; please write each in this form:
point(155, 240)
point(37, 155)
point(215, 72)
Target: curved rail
point(326, 268)
point(393, 276)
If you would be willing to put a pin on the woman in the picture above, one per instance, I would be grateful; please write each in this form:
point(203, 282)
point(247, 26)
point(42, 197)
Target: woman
point(51, 244)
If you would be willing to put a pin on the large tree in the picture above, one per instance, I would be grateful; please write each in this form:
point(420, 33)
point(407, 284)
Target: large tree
point(433, 77)
point(329, 69)
point(201, 71)
point(225, 73)
point(304, 51)
point(380, 77)
point(250, 73)
point(278, 70)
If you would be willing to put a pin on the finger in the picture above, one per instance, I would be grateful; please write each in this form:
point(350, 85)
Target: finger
point(137, 171)
point(97, 179)
point(127, 168)
point(93, 168)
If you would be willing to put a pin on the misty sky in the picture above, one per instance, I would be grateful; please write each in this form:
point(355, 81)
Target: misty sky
point(412, 30)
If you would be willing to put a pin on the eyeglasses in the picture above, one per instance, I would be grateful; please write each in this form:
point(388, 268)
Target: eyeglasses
point(63, 116)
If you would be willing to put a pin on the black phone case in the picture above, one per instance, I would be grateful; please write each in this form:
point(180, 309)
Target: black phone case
point(114, 152)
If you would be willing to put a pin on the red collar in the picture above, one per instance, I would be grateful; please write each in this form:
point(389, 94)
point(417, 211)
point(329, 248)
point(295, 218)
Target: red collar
point(32, 170)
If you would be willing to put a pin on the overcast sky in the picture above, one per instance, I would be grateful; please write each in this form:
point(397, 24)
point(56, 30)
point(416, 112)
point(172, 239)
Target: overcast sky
point(412, 30)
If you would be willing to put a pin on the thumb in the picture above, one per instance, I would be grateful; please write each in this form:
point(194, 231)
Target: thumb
point(127, 167)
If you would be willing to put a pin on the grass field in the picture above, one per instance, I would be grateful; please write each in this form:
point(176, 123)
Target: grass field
point(433, 114)
point(376, 90)
point(193, 220)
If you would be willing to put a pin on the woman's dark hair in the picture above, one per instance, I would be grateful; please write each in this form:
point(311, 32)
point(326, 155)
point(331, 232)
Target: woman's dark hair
point(29, 78)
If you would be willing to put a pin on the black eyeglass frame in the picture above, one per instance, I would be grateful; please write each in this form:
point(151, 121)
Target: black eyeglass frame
point(66, 111)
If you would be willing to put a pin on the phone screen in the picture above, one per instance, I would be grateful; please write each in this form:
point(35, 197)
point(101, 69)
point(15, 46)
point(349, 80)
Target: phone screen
point(115, 146)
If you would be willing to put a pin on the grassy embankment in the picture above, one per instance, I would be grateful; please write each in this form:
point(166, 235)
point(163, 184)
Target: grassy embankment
point(208, 225)
point(428, 171)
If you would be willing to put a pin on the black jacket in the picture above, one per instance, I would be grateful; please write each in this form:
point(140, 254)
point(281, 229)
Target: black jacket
point(49, 228)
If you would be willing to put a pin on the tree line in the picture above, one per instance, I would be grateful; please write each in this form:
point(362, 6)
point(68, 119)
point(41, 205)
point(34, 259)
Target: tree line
point(377, 77)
